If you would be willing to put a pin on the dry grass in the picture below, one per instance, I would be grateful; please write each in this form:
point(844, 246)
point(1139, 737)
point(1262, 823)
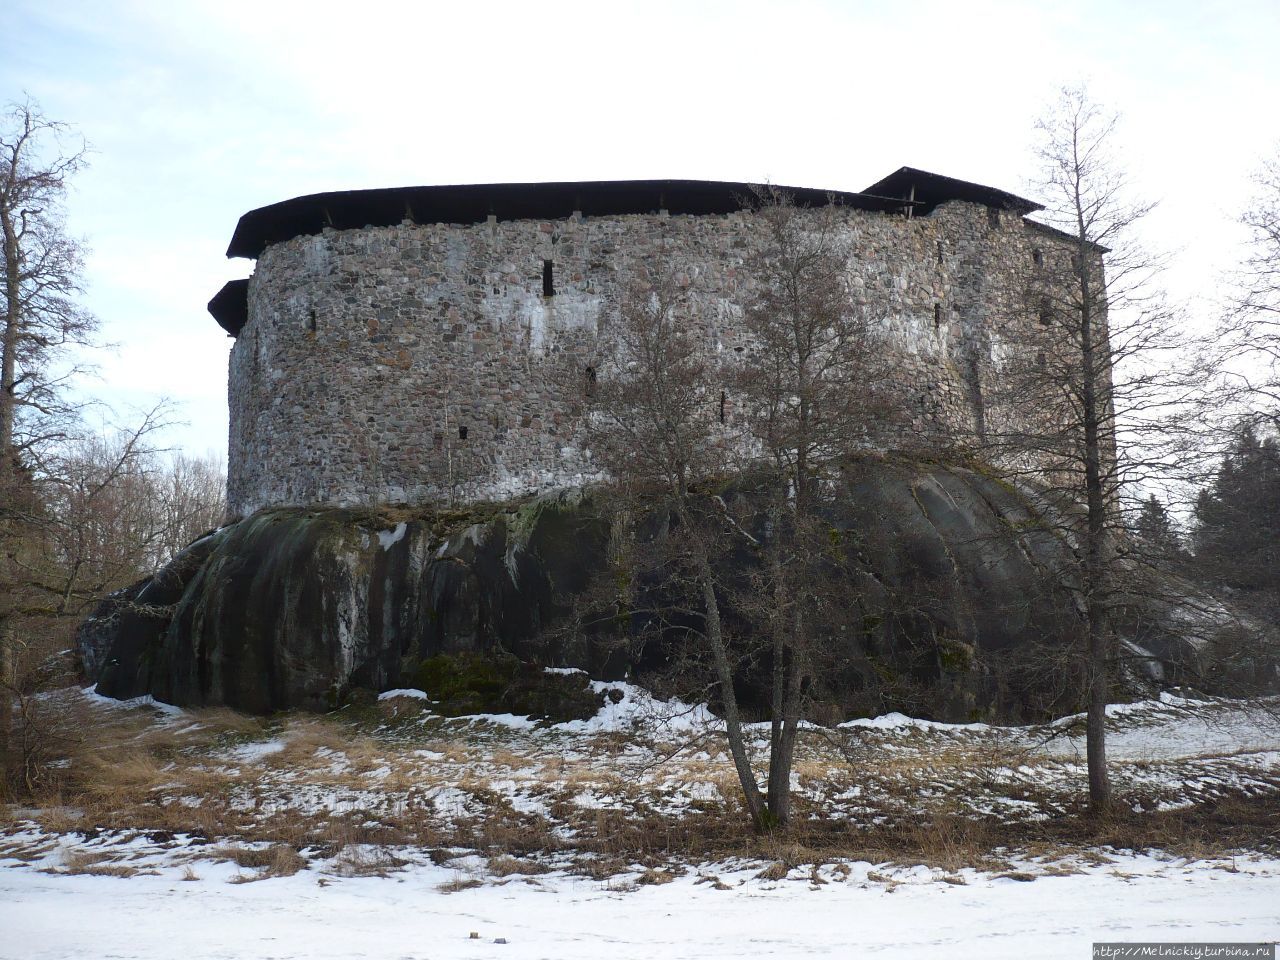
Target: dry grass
point(57, 818)
point(460, 883)
point(1016, 875)
point(600, 868)
point(373, 790)
point(225, 722)
point(653, 878)
point(124, 774)
point(365, 861)
point(27, 852)
point(94, 865)
point(506, 866)
point(277, 860)
point(775, 871)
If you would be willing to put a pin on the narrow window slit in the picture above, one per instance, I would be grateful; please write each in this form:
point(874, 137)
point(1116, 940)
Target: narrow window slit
point(724, 401)
point(548, 279)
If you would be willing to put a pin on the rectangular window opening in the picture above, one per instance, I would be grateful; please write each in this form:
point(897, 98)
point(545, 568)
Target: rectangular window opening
point(548, 279)
point(311, 322)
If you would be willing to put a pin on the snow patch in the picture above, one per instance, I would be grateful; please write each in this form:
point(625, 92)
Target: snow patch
point(404, 692)
point(900, 721)
point(92, 694)
point(628, 707)
point(388, 538)
point(248, 752)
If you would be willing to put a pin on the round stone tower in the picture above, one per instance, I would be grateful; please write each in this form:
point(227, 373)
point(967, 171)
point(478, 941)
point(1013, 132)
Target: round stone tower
point(409, 345)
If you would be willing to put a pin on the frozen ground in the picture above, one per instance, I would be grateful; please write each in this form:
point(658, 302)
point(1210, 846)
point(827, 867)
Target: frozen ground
point(396, 833)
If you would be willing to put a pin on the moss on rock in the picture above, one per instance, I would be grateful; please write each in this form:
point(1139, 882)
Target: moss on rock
point(464, 684)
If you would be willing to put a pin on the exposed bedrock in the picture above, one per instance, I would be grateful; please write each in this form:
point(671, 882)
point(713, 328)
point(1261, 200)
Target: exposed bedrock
point(956, 593)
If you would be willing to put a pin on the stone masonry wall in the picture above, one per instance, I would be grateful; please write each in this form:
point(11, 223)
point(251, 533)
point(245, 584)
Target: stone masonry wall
point(412, 364)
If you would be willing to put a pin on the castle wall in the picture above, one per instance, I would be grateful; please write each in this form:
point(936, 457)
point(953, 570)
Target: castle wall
point(367, 353)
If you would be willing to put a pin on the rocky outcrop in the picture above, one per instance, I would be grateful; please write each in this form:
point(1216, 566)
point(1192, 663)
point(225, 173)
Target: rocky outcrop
point(955, 590)
point(294, 608)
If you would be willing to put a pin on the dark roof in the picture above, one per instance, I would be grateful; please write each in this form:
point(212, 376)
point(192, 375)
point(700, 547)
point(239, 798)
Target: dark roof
point(932, 189)
point(472, 203)
point(230, 306)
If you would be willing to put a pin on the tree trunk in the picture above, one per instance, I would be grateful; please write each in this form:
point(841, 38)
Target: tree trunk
point(1096, 720)
point(8, 470)
point(7, 684)
point(777, 717)
point(1097, 660)
point(9, 337)
point(729, 699)
point(782, 754)
point(779, 767)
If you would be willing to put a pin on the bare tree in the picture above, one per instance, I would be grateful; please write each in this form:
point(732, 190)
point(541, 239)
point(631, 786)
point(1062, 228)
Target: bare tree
point(81, 515)
point(668, 423)
point(814, 391)
point(654, 425)
point(115, 508)
point(101, 513)
point(1096, 405)
point(43, 267)
point(1252, 328)
point(41, 319)
point(192, 500)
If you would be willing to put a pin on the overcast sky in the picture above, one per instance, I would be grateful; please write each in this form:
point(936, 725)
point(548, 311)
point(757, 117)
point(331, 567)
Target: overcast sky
point(198, 112)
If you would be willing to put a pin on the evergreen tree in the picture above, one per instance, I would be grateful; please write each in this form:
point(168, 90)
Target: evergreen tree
point(1237, 520)
point(1156, 533)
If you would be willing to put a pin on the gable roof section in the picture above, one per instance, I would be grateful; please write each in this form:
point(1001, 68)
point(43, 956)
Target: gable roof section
point(928, 190)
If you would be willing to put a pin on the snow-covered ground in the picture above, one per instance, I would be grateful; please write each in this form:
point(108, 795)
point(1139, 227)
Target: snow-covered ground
point(397, 834)
point(871, 911)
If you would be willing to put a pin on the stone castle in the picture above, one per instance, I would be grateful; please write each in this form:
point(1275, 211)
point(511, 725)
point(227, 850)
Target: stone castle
point(395, 346)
